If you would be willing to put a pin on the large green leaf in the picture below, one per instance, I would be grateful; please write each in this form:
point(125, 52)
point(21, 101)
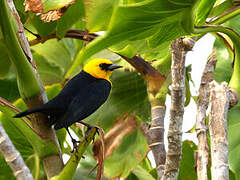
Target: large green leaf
point(99, 13)
point(43, 29)
point(49, 72)
point(58, 54)
point(220, 8)
point(74, 13)
point(8, 174)
point(127, 156)
point(142, 174)
point(139, 21)
point(128, 94)
point(234, 23)
point(233, 138)
point(187, 166)
point(9, 88)
point(202, 11)
point(5, 63)
point(223, 70)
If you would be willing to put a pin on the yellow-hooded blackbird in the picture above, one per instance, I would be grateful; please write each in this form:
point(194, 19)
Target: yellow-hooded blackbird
point(80, 97)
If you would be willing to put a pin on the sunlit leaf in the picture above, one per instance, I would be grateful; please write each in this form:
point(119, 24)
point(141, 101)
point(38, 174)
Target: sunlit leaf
point(203, 10)
point(74, 13)
point(187, 166)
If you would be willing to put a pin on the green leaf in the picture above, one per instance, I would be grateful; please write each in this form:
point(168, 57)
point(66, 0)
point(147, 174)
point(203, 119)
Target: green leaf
point(202, 11)
point(187, 170)
point(128, 88)
point(49, 72)
point(166, 33)
point(234, 23)
point(219, 9)
point(5, 63)
point(28, 82)
point(142, 174)
point(99, 13)
point(74, 13)
point(139, 21)
point(8, 174)
point(223, 70)
point(9, 88)
point(58, 54)
point(127, 156)
point(43, 29)
point(233, 138)
point(53, 5)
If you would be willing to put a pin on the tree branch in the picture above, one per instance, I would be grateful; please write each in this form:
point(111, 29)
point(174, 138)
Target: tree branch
point(201, 127)
point(13, 157)
point(179, 49)
point(219, 104)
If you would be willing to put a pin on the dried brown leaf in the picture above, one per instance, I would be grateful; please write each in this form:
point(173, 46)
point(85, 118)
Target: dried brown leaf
point(34, 6)
point(37, 6)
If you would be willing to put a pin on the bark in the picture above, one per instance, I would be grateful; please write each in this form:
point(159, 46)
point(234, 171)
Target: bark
point(219, 104)
point(155, 137)
point(13, 157)
point(179, 49)
point(201, 127)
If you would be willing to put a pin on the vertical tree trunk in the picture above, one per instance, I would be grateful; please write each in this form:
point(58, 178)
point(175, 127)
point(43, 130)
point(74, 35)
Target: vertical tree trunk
point(219, 103)
point(179, 49)
point(155, 137)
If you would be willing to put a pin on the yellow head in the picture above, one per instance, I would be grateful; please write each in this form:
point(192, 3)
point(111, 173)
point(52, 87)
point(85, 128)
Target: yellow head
point(100, 68)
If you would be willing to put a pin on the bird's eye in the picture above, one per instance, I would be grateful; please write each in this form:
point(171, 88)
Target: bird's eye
point(104, 66)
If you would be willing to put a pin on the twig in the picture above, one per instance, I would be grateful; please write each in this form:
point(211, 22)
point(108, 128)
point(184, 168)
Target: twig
point(179, 49)
point(219, 104)
point(4, 102)
point(201, 127)
point(13, 157)
point(72, 33)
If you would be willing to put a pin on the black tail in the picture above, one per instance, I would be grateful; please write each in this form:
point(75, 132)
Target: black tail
point(30, 111)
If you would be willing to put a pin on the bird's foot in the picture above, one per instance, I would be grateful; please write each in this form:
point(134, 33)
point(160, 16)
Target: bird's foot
point(75, 145)
point(88, 129)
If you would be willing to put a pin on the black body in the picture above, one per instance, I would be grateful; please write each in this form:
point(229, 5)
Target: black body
point(80, 97)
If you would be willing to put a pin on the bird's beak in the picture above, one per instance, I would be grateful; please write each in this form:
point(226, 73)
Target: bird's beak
point(113, 66)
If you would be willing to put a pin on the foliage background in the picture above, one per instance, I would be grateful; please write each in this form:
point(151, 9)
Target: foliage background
point(150, 37)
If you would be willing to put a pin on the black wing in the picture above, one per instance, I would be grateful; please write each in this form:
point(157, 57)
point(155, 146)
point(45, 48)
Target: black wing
point(85, 103)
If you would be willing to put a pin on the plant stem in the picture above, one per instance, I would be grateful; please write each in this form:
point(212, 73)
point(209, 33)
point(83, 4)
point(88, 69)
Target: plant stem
point(227, 15)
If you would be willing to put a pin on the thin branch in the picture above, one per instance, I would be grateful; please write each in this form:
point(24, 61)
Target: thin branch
point(72, 33)
point(201, 127)
point(4, 102)
point(179, 49)
point(13, 157)
point(219, 104)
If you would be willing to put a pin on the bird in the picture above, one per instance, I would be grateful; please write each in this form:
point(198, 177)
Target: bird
point(79, 98)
